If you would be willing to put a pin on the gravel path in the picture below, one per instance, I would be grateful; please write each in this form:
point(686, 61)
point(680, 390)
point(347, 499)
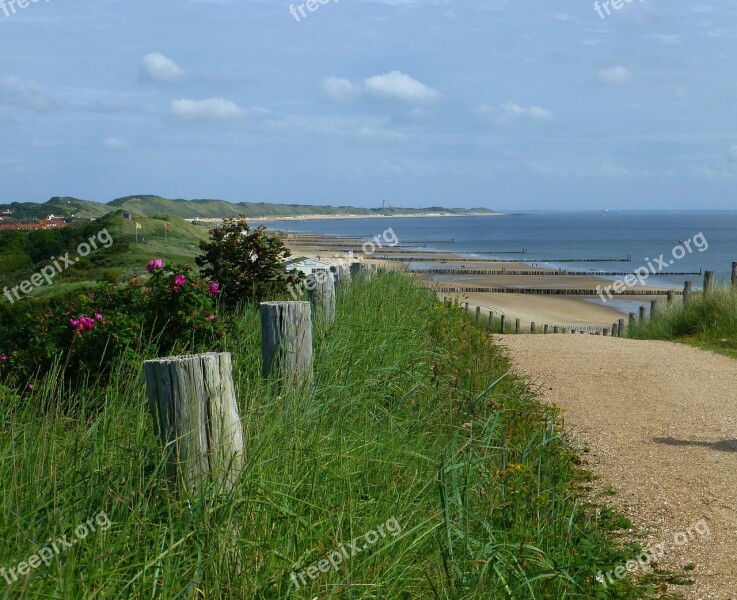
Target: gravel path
point(660, 422)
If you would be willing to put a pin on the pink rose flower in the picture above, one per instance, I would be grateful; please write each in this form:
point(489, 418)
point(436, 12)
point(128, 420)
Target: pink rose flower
point(155, 264)
point(180, 280)
point(3, 358)
point(214, 288)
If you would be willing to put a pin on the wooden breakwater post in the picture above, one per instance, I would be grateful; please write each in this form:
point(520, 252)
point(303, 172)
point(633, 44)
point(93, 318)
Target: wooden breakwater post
point(342, 275)
point(321, 291)
point(669, 297)
point(286, 340)
point(687, 292)
point(192, 399)
point(605, 331)
point(734, 274)
point(632, 320)
point(478, 314)
point(503, 324)
point(643, 312)
point(516, 326)
point(653, 309)
point(620, 328)
point(362, 270)
point(532, 327)
point(491, 320)
point(556, 329)
point(615, 330)
point(545, 328)
point(708, 281)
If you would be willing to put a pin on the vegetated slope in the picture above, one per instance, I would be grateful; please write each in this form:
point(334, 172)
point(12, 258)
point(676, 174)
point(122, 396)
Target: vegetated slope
point(708, 321)
point(149, 205)
point(24, 253)
point(408, 419)
point(61, 206)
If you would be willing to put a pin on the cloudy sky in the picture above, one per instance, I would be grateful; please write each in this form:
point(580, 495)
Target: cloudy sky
point(504, 104)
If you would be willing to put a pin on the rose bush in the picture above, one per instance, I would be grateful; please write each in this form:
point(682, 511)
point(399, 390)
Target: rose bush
point(169, 310)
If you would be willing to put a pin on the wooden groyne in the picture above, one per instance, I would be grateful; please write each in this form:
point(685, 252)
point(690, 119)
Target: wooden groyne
point(555, 291)
point(535, 272)
point(470, 259)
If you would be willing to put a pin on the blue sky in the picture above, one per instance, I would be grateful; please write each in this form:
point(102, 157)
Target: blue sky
point(509, 105)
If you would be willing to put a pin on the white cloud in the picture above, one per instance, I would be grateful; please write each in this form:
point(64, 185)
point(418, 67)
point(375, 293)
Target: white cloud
point(338, 88)
point(616, 75)
point(211, 109)
point(14, 91)
point(511, 110)
point(158, 67)
point(396, 85)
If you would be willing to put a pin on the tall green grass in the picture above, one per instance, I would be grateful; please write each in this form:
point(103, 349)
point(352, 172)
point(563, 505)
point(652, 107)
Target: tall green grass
point(708, 321)
point(412, 415)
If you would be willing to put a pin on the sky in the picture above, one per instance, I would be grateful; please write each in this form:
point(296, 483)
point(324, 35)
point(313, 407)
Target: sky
point(500, 104)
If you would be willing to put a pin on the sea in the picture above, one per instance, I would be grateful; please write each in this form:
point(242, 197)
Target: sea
point(689, 241)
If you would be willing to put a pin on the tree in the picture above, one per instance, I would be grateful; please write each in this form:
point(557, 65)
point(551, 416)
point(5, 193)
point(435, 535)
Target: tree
point(246, 263)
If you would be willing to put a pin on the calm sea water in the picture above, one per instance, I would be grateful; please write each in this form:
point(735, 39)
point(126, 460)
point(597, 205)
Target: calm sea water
point(552, 236)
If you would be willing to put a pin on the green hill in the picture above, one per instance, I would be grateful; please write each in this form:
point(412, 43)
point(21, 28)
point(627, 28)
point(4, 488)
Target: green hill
point(150, 205)
point(59, 205)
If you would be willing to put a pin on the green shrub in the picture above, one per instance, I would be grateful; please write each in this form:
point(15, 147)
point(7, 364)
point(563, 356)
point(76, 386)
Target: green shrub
point(247, 263)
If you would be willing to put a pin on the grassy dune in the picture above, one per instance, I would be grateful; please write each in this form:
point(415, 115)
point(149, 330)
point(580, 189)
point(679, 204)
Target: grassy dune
point(709, 321)
point(413, 418)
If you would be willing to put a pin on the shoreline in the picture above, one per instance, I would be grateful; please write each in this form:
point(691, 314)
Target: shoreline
point(351, 217)
point(552, 309)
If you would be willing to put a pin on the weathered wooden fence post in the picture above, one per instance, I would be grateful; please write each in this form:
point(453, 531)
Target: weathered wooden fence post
point(342, 275)
point(620, 329)
point(687, 292)
point(503, 324)
point(556, 329)
point(734, 274)
point(286, 340)
point(708, 281)
point(192, 399)
point(516, 325)
point(605, 332)
point(615, 330)
point(321, 291)
point(632, 320)
point(545, 328)
point(669, 296)
point(653, 309)
point(532, 327)
point(360, 270)
point(642, 314)
point(491, 320)
point(478, 314)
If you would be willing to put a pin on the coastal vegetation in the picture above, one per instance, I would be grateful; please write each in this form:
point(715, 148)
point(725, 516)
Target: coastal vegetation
point(709, 321)
point(413, 417)
point(151, 205)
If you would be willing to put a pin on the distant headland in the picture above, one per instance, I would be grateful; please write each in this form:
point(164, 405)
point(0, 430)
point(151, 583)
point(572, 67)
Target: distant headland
point(68, 208)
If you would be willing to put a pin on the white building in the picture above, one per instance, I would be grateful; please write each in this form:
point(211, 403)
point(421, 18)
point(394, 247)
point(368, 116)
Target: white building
point(308, 266)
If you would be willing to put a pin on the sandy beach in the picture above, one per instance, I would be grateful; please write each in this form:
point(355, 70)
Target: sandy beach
point(550, 309)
